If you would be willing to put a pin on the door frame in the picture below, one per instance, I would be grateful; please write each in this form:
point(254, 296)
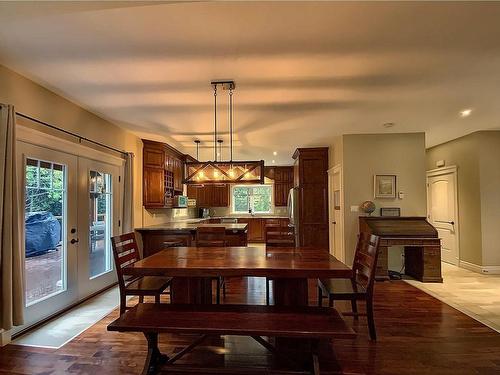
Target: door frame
point(336, 169)
point(452, 169)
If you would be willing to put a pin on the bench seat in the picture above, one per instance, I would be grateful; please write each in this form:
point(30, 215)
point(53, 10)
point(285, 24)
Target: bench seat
point(244, 320)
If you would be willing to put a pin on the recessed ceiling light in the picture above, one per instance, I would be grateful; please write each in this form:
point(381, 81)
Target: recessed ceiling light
point(274, 161)
point(465, 112)
point(388, 125)
point(275, 153)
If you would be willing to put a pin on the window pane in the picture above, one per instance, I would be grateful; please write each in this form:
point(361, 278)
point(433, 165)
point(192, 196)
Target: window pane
point(262, 199)
point(240, 198)
point(44, 230)
point(100, 223)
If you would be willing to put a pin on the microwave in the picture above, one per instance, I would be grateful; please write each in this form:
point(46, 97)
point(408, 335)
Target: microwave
point(180, 201)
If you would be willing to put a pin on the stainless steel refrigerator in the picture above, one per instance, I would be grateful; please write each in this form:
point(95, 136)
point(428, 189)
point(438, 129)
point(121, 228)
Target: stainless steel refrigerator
point(293, 212)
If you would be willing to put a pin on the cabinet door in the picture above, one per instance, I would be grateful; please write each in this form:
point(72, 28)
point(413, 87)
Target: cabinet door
point(178, 175)
point(192, 192)
point(255, 230)
point(220, 196)
point(153, 157)
point(154, 188)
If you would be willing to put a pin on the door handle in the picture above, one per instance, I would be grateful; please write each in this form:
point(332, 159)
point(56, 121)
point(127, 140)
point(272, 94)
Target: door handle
point(73, 241)
point(334, 222)
point(445, 222)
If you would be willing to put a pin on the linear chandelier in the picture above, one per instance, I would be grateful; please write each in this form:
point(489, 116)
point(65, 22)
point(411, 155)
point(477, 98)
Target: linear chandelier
point(219, 171)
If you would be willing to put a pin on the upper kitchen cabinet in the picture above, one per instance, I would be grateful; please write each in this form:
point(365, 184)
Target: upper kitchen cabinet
point(311, 179)
point(283, 182)
point(162, 174)
point(210, 195)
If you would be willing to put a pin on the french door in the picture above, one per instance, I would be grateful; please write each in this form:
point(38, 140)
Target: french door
point(71, 209)
point(98, 221)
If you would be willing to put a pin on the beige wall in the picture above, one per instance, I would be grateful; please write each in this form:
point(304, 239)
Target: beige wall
point(36, 101)
point(464, 153)
point(368, 154)
point(489, 171)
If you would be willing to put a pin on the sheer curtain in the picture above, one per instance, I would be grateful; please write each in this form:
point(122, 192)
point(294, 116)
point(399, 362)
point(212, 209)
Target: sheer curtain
point(11, 257)
point(128, 194)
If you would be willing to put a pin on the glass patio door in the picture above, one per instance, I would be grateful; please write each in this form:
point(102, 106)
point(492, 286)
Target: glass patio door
point(48, 182)
point(98, 220)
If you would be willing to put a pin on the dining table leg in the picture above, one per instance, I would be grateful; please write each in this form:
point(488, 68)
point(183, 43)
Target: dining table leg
point(191, 290)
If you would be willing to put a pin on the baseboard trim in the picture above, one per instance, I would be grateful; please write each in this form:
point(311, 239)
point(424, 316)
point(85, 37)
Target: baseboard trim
point(5, 337)
point(485, 270)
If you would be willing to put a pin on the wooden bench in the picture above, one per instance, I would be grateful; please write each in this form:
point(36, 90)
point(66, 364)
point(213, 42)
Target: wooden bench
point(304, 322)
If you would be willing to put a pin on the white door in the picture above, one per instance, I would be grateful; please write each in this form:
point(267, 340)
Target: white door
point(335, 208)
point(98, 220)
point(442, 210)
point(48, 182)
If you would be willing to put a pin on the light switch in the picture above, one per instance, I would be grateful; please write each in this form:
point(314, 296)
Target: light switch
point(354, 208)
point(401, 195)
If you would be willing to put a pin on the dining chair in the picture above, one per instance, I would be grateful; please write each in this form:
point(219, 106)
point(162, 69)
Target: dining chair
point(360, 285)
point(125, 253)
point(277, 236)
point(213, 237)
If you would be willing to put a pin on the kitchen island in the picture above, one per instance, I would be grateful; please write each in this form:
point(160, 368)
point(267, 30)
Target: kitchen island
point(183, 233)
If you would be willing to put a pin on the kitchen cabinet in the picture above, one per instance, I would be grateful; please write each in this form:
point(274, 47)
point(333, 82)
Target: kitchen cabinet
point(255, 228)
point(311, 179)
point(283, 182)
point(210, 195)
point(162, 174)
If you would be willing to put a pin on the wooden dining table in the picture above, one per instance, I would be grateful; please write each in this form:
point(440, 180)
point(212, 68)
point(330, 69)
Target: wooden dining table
point(193, 268)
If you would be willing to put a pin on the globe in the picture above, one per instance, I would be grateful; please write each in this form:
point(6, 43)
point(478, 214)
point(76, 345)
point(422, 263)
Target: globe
point(368, 207)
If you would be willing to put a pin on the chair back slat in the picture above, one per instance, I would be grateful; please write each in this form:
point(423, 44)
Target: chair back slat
point(211, 236)
point(365, 260)
point(125, 253)
point(279, 236)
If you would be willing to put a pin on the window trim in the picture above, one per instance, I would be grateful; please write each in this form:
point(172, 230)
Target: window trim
point(233, 186)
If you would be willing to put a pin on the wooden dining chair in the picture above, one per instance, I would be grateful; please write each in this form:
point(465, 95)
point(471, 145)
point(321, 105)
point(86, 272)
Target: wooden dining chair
point(278, 236)
point(360, 285)
point(213, 237)
point(125, 253)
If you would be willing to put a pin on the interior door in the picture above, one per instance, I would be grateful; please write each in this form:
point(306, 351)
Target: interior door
point(99, 215)
point(48, 183)
point(441, 212)
point(335, 208)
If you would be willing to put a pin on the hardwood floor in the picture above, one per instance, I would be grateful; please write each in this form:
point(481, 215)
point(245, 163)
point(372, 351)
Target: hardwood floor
point(417, 334)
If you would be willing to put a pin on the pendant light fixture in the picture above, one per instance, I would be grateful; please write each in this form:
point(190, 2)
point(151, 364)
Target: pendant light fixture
point(219, 171)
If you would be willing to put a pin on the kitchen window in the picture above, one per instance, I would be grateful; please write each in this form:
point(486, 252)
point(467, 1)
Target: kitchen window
point(252, 198)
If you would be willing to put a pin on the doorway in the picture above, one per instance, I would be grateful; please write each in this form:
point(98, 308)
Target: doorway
point(71, 209)
point(336, 212)
point(442, 210)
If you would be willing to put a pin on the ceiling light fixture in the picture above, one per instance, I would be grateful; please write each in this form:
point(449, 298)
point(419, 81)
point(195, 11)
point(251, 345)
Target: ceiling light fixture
point(218, 171)
point(275, 153)
point(465, 112)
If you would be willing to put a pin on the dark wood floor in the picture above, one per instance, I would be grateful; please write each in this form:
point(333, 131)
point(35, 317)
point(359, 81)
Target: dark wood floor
point(417, 335)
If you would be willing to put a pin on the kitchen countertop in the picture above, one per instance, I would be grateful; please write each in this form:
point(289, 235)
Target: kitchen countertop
point(243, 216)
point(191, 226)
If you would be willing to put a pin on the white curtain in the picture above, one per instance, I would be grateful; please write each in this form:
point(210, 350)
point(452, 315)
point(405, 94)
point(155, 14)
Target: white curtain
point(128, 194)
point(11, 257)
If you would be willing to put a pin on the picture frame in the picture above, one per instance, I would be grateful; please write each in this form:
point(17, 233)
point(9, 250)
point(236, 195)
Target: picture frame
point(390, 211)
point(384, 186)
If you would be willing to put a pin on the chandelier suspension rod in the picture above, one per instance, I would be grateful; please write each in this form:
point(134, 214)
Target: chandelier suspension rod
point(215, 122)
point(231, 124)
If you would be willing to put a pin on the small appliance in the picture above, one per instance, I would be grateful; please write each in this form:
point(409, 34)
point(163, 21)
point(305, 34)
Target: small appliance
point(204, 213)
point(180, 201)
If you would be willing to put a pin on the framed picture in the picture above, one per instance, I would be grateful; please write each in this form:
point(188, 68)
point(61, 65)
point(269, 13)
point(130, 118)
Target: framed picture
point(384, 186)
point(390, 211)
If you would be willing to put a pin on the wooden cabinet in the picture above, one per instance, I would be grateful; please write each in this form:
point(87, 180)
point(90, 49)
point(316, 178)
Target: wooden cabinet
point(255, 228)
point(163, 168)
point(311, 178)
point(210, 195)
point(283, 182)
point(154, 240)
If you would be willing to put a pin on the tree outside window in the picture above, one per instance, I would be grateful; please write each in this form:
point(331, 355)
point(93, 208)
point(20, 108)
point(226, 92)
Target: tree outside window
point(252, 198)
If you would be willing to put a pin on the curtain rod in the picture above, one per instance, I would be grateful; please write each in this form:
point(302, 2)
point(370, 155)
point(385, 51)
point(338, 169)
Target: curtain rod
point(71, 133)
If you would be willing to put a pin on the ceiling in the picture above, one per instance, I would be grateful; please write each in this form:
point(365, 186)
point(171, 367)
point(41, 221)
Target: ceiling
point(305, 72)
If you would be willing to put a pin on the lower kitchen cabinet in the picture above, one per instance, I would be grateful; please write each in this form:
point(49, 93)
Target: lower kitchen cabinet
point(154, 240)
